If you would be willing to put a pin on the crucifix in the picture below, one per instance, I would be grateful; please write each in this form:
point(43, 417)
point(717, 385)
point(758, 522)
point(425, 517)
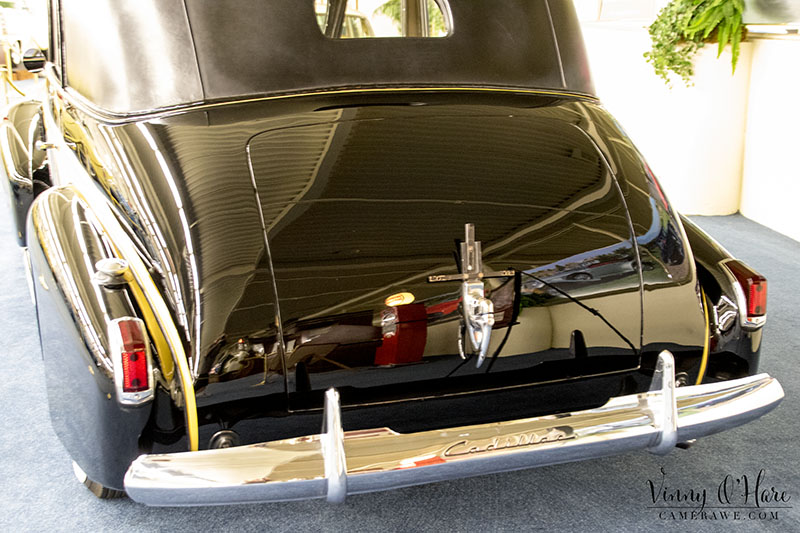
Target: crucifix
point(477, 311)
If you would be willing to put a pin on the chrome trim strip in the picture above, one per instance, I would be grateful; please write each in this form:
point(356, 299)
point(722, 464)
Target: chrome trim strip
point(333, 449)
point(664, 405)
point(381, 459)
point(26, 261)
point(273, 284)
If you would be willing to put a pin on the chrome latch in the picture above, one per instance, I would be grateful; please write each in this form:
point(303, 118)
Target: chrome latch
point(477, 311)
point(478, 317)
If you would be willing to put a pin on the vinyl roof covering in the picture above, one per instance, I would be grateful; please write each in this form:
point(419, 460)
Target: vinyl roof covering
point(128, 56)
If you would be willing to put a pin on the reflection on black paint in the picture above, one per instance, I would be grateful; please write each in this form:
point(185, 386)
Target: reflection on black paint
point(363, 203)
point(376, 209)
point(671, 305)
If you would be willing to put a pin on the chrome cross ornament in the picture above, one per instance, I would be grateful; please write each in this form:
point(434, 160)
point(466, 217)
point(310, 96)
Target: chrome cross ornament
point(477, 311)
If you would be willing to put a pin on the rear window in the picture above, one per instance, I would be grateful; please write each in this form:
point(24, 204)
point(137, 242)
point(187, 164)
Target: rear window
point(355, 19)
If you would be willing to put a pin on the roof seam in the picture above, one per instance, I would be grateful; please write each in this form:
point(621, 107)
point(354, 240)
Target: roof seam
point(194, 49)
point(555, 43)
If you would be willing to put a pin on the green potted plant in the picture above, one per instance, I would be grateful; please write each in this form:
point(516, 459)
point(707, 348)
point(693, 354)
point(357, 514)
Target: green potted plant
point(682, 27)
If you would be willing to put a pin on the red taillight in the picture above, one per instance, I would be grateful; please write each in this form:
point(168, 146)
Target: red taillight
point(135, 376)
point(132, 366)
point(754, 286)
point(757, 298)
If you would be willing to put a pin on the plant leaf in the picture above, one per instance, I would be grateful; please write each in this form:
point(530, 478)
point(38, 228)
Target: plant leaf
point(723, 35)
point(736, 39)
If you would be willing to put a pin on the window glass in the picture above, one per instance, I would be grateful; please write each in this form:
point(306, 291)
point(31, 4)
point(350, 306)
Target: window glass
point(772, 12)
point(352, 19)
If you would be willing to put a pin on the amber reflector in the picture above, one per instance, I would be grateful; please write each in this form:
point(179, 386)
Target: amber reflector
point(401, 298)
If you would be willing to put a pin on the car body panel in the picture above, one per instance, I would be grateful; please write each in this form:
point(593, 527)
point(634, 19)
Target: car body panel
point(72, 311)
point(273, 213)
point(24, 165)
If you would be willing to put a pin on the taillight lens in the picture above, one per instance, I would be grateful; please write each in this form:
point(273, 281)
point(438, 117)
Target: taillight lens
point(133, 370)
point(754, 287)
point(135, 377)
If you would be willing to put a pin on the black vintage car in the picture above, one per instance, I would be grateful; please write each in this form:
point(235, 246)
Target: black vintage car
point(243, 224)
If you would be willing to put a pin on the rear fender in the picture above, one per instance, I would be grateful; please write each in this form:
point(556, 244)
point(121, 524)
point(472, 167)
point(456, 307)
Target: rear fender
point(68, 166)
point(23, 164)
point(735, 350)
point(101, 435)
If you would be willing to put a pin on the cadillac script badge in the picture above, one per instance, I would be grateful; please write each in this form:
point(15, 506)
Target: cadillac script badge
point(522, 440)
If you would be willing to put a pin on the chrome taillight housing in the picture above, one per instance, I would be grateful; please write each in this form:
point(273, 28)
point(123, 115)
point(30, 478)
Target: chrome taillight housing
point(132, 360)
point(751, 293)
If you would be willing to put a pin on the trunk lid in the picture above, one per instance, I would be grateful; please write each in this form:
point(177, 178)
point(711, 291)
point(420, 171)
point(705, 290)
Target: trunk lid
point(360, 213)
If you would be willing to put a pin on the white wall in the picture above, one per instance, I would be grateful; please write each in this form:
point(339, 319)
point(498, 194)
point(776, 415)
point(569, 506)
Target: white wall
point(771, 184)
point(693, 137)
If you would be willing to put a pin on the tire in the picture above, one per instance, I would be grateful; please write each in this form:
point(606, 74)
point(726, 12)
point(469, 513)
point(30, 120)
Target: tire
point(102, 492)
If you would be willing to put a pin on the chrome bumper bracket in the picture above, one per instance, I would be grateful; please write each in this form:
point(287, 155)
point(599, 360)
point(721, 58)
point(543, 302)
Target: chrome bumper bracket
point(333, 449)
point(664, 404)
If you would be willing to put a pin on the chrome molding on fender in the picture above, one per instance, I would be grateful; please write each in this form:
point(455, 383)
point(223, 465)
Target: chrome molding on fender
point(26, 260)
point(337, 463)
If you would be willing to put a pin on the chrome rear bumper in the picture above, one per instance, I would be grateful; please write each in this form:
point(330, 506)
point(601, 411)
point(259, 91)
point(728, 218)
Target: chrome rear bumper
point(336, 463)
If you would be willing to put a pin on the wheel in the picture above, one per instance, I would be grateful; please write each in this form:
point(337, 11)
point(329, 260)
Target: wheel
point(102, 492)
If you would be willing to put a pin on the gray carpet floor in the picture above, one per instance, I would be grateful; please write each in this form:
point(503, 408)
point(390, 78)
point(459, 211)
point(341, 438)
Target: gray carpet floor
point(39, 493)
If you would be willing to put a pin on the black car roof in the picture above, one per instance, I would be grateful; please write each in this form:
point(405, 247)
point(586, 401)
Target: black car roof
point(133, 56)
